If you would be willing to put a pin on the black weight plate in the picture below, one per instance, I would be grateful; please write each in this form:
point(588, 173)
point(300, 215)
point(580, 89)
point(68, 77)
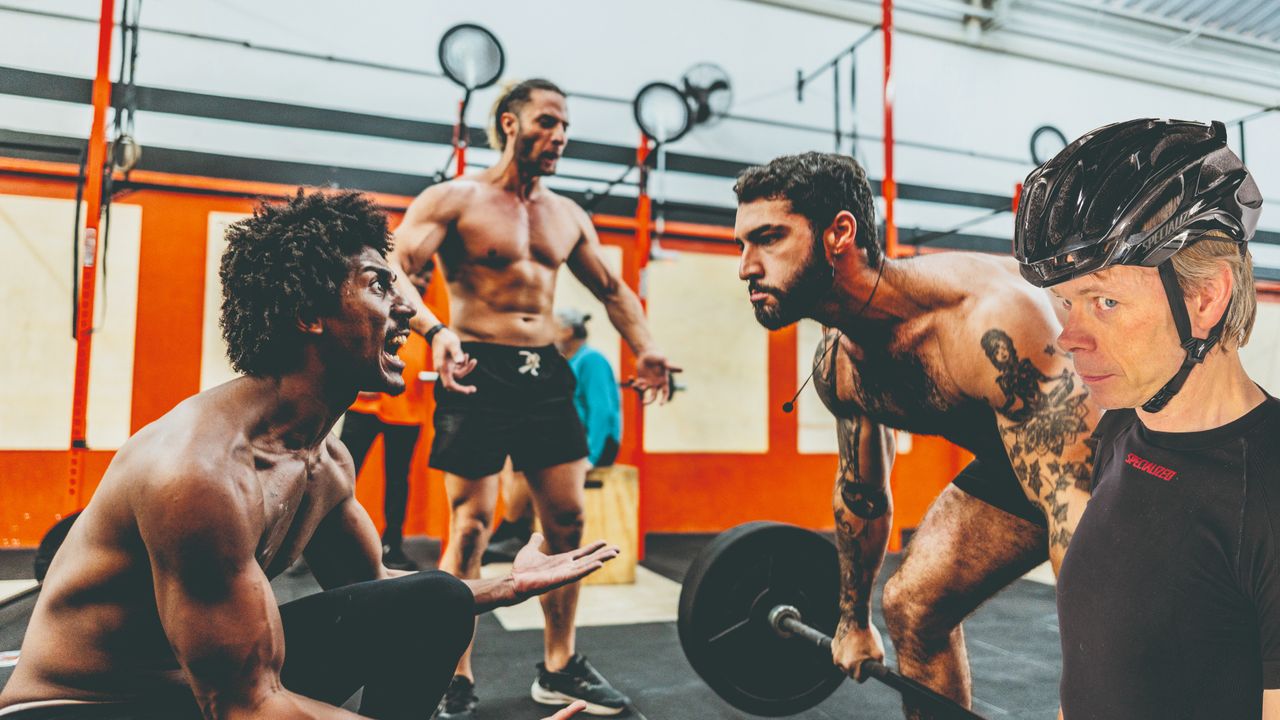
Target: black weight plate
point(724, 606)
point(50, 543)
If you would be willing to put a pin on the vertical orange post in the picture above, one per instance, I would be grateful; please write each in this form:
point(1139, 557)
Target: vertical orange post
point(460, 139)
point(644, 219)
point(644, 239)
point(89, 258)
point(888, 187)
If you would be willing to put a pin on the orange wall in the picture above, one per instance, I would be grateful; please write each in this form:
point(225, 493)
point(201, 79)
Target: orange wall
point(679, 492)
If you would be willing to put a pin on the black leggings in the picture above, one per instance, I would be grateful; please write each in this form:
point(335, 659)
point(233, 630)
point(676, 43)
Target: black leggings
point(399, 639)
point(359, 430)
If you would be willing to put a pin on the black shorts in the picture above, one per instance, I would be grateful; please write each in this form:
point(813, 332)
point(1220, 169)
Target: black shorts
point(522, 408)
point(995, 483)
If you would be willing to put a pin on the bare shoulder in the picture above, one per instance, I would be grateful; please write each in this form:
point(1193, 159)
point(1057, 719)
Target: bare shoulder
point(191, 460)
point(567, 205)
point(1011, 356)
point(443, 201)
point(1006, 315)
point(338, 468)
point(567, 208)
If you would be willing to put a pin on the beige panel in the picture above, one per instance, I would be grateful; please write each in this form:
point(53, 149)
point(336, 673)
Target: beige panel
point(816, 432)
point(214, 367)
point(37, 366)
point(611, 506)
point(1261, 357)
point(571, 293)
point(701, 318)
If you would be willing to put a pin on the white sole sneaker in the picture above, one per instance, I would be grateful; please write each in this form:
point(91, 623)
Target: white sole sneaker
point(543, 696)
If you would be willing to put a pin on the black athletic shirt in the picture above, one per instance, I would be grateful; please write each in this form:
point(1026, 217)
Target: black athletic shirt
point(1169, 595)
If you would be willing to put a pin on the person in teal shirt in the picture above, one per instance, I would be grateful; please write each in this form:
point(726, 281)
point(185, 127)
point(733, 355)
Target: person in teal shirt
point(597, 397)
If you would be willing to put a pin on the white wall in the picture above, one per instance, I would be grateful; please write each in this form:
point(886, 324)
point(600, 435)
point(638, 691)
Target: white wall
point(37, 364)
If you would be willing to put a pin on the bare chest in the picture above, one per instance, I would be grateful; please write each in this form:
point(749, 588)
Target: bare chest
point(903, 385)
point(501, 232)
point(295, 498)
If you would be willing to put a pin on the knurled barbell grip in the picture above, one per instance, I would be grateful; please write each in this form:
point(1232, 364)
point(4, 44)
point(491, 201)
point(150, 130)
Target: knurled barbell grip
point(786, 621)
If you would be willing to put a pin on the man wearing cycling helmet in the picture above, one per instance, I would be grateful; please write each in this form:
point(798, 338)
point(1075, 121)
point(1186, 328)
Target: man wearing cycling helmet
point(1169, 595)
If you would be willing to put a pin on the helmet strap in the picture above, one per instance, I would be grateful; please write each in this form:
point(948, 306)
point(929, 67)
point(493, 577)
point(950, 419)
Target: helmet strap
point(1195, 348)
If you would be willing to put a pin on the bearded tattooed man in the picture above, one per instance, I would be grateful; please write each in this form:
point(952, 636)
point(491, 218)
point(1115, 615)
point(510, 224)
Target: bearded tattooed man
point(953, 344)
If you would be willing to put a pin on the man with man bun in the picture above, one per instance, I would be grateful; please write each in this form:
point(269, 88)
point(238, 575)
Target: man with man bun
point(504, 389)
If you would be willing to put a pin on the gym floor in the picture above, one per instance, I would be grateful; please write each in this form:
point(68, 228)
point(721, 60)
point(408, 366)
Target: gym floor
point(1013, 649)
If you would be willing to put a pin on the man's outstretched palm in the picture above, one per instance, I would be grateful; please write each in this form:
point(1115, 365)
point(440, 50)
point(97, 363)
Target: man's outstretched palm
point(654, 378)
point(534, 572)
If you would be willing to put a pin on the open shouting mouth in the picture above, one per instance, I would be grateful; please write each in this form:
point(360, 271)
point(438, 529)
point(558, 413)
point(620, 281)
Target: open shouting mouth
point(395, 341)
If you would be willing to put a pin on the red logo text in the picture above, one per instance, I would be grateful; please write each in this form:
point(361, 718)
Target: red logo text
point(1151, 468)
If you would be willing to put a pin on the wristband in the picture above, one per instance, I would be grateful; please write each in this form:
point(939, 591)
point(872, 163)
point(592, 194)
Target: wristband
point(431, 334)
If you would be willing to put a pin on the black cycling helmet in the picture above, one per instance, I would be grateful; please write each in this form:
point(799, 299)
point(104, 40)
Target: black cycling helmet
point(1084, 211)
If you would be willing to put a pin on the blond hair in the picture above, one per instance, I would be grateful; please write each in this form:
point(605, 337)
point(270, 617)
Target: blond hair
point(514, 95)
point(1198, 263)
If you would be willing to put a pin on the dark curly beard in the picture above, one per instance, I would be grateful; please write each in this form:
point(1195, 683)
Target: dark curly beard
point(799, 297)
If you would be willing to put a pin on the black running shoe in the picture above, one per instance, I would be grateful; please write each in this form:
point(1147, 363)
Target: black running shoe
point(578, 681)
point(394, 558)
point(459, 700)
point(507, 540)
point(503, 551)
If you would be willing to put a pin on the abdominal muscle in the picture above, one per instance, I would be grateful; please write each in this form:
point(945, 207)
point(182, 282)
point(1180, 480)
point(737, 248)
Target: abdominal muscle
point(508, 306)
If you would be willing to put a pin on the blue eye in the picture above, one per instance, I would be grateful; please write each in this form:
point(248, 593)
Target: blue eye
point(1106, 303)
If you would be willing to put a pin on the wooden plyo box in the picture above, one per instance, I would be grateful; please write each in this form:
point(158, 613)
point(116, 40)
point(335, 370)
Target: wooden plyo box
point(611, 512)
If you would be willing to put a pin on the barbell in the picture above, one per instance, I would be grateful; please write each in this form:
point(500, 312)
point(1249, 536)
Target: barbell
point(432, 376)
point(757, 610)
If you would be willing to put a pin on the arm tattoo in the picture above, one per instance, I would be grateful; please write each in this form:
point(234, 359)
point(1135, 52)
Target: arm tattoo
point(866, 500)
point(847, 432)
point(1046, 412)
point(859, 556)
point(1047, 416)
point(1067, 472)
point(860, 543)
point(855, 596)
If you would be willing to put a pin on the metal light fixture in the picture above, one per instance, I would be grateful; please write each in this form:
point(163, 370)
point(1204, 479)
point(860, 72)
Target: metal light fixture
point(1046, 142)
point(471, 56)
point(662, 111)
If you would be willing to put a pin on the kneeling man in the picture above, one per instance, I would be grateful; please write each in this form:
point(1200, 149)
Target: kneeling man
point(159, 604)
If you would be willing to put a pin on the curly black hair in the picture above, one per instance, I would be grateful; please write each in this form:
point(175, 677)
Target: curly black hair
point(818, 186)
point(288, 261)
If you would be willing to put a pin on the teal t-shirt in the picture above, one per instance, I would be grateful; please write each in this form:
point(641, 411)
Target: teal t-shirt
point(597, 399)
